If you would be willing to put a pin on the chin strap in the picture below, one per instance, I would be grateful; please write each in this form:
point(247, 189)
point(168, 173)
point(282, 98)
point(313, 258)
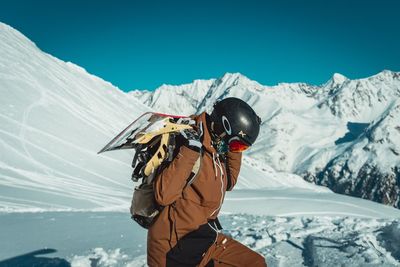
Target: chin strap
point(218, 141)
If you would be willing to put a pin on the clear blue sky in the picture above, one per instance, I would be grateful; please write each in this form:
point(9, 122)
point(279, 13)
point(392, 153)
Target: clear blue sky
point(143, 44)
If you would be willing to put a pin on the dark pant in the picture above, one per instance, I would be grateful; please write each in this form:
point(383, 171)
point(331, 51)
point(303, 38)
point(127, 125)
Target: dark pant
point(190, 249)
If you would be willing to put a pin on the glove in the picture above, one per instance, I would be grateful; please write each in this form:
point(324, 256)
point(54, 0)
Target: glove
point(192, 139)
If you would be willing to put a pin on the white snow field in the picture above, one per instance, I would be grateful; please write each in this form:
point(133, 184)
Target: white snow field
point(54, 118)
point(62, 204)
point(289, 227)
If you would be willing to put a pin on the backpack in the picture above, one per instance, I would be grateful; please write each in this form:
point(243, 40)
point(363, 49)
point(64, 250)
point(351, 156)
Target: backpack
point(149, 160)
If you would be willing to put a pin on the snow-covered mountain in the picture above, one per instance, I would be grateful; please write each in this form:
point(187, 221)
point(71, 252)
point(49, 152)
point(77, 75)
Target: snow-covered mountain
point(344, 134)
point(54, 117)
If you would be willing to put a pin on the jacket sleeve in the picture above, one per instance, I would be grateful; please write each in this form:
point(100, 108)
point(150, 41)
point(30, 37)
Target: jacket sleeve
point(170, 182)
point(233, 162)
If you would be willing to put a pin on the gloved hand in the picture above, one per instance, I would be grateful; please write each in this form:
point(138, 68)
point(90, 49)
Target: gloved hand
point(192, 139)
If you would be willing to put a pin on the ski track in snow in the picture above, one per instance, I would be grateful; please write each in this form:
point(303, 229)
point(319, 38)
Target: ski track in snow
point(67, 179)
point(39, 203)
point(79, 189)
point(379, 214)
point(46, 168)
point(62, 141)
point(102, 199)
point(24, 141)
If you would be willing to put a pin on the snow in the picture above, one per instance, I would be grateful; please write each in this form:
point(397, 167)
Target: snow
point(338, 79)
point(62, 203)
point(302, 202)
point(53, 123)
point(54, 118)
point(339, 230)
point(299, 120)
point(297, 242)
point(333, 134)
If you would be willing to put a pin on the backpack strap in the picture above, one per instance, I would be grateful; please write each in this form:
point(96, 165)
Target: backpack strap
point(197, 164)
point(195, 170)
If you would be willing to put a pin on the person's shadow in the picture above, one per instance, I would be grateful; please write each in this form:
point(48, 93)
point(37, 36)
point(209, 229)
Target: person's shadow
point(33, 259)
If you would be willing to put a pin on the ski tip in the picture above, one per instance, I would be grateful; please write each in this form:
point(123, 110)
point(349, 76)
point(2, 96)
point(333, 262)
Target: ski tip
point(101, 151)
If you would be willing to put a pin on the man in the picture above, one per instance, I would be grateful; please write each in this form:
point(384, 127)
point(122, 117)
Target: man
point(186, 232)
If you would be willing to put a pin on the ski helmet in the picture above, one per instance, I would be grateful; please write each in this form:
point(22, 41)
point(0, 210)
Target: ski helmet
point(235, 122)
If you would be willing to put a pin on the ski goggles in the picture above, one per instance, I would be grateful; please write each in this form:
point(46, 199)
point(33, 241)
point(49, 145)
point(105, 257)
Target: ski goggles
point(236, 145)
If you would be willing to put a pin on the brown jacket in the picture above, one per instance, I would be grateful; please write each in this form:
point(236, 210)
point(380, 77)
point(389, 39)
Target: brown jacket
point(188, 208)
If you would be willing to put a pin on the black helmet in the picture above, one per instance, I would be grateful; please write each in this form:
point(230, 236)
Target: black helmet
point(235, 119)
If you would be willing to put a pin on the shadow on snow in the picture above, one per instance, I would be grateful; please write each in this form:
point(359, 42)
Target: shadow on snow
point(355, 130)
point(34, 259)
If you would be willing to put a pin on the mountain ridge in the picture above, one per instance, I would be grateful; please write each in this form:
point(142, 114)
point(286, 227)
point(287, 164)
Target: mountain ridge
point(55, 116)
point(306, 127)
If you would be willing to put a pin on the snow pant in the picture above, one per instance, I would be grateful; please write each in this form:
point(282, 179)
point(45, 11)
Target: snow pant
point(229, 252)
point(203, 247)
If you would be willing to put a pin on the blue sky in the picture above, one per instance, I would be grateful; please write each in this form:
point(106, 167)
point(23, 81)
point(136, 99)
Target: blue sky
point(143, 44)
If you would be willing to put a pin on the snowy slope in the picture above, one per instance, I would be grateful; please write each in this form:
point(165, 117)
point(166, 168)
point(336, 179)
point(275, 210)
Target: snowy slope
point(54, 117)
point(333, 134)
point(189, 95)
point(370, 166)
